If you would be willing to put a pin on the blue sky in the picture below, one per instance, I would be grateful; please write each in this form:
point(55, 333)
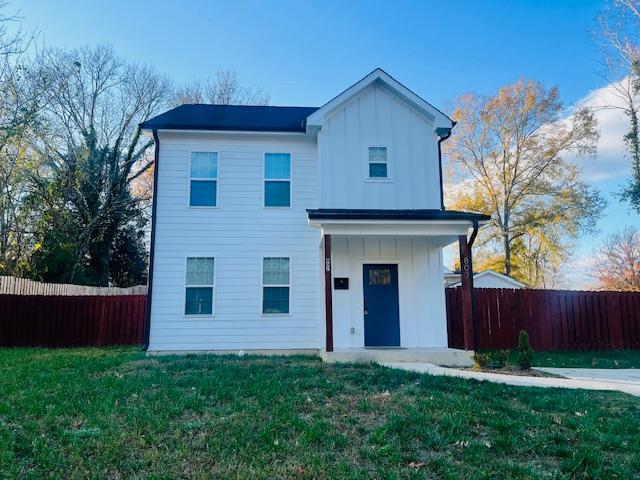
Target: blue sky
point(305, 52)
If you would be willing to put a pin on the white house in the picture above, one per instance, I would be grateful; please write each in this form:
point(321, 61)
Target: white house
point(293, 229)
point(484, 279)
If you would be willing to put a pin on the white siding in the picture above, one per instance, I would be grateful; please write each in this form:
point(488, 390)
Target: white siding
point(378, 117)
point(238, 233)
point(421, 292)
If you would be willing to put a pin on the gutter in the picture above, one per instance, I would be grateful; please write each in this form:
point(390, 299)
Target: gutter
point(147, 318)
point(443, 134)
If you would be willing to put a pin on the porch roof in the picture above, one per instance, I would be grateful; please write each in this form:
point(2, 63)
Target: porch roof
point(377, 214)
point(442, 226)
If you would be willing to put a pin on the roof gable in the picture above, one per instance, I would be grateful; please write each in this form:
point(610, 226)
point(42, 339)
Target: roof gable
point(379, 76)
point(494, 274)
point(502, 276)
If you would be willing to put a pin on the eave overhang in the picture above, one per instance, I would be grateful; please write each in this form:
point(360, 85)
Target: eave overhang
point(443, 227)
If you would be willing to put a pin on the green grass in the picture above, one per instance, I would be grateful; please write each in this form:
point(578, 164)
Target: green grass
point(587, 359)
point(115, 414)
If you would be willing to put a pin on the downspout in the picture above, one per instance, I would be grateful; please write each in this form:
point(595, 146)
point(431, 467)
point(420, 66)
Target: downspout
point(472, 239)
point(443, 134)
point(147, 318)
point(474, 233)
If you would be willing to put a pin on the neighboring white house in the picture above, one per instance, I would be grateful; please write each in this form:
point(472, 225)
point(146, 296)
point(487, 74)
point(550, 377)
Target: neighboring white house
point(484, 279)
point(301, 229)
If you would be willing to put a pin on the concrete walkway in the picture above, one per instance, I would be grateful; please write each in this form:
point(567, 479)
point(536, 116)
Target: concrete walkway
point(622, 382)
point(621, 375)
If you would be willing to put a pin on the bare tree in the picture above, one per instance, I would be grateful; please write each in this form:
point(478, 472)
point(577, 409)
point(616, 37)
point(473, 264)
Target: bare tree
point(619, 39)
point(507, 154)
point(222, 89)
point(13, 41)
point(188, 94)
point(94, 150)
point(617, 264)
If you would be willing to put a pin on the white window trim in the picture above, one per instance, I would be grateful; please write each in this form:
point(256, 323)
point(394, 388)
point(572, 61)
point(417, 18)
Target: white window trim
point(190, 178)
point(389, 177)
point(265, 180)
point(196, 316)
point(263, 285)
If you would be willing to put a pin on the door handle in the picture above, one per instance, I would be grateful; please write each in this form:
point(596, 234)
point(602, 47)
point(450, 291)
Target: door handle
point(365, 308)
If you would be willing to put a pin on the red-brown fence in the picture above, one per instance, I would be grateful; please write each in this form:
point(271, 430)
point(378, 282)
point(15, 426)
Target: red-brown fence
point(71, 321)
point(554, 319)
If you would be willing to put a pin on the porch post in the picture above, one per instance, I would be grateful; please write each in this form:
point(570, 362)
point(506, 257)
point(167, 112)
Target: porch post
point(467, 303)
point(328, 294)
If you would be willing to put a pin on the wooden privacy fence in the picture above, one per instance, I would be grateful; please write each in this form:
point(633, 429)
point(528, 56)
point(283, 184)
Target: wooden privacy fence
point(554, 319)
point(71, 321)
point(23, 286)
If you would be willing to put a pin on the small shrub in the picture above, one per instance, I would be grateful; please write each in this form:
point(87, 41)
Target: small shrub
point(525, 352)
point(501, 357)
point(481, 360)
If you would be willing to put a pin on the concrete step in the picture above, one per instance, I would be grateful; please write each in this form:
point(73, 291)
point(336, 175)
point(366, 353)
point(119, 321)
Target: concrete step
point(448, 357)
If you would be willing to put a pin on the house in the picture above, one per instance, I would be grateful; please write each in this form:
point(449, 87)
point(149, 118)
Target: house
point(295, 229)
point(484, 279)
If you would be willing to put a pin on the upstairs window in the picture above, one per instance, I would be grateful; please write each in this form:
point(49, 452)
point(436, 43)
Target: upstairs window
point(378, 162)
point(203, 175)
point(277, 180)
point(275, 285)
point(199, 286)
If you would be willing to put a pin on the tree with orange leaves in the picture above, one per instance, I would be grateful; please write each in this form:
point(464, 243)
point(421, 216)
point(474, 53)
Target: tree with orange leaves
point(506, 155)
point(618, 261)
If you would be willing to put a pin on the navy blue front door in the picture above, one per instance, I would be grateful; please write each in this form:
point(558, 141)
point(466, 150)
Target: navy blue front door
point(381, 311)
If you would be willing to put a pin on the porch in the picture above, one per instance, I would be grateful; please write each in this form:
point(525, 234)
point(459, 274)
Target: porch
point(383, 283)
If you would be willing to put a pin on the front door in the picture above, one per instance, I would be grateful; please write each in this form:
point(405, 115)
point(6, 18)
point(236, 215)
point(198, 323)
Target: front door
point(381, 311)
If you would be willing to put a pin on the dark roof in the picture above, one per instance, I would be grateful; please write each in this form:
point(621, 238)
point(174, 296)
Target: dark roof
point(366, 214)
point(232, 117)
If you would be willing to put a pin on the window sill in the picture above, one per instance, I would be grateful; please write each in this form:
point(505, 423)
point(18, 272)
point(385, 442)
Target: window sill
point(379, 180)
point(210, 316)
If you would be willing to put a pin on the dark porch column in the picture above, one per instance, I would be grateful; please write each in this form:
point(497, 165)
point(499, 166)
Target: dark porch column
point(468, 305)
point(328, 294)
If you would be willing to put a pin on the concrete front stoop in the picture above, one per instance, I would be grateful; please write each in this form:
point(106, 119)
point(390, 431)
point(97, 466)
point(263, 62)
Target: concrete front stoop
point(448, 357)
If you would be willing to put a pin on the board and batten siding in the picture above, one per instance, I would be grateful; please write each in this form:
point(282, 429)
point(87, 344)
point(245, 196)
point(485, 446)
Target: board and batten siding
point(238, 233)
point(375, 117)
point(420, 289)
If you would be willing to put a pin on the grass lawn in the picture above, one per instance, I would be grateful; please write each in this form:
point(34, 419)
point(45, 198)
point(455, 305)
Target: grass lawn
point(114, 414)
point(588, 359)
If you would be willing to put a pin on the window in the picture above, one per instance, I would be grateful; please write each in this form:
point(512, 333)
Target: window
point(379, 276)
point(275, 285)
point(378, 162)
point(203, 175)
point(277, 180)
point(199, 286)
